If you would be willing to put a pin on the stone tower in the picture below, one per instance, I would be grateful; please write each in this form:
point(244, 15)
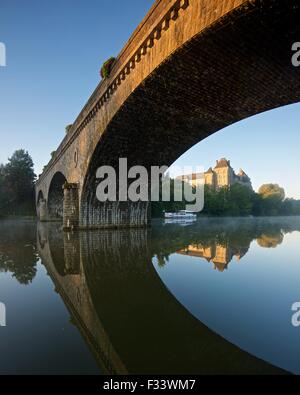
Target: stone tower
point(224, 173)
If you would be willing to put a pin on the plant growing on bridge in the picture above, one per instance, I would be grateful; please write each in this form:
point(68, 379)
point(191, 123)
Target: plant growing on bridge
point(68, 128)
point(106, 68)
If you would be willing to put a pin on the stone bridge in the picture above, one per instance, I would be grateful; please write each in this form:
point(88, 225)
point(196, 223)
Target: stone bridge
point(191, 68)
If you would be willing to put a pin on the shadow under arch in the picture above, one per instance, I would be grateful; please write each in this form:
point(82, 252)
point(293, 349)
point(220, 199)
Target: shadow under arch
point(56, 196)
point(238, 67)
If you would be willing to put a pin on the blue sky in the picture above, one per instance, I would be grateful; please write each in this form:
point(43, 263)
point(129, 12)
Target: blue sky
point(266, 146)
point(54, 52)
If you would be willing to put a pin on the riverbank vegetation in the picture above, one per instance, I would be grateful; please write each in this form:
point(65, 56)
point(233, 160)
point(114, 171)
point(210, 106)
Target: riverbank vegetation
point(17, 186)
point(17, 196)
point(237, 201)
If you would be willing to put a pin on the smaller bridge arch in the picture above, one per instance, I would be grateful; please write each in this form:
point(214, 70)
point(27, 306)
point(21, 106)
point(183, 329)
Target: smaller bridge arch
point(56, 197)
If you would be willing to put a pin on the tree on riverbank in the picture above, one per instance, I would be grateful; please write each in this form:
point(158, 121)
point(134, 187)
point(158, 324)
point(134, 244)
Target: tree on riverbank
point(238, 201)
point(17, 195)
point(17, 185)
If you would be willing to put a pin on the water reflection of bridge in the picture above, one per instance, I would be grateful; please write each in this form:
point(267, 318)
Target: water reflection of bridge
point(129, 319)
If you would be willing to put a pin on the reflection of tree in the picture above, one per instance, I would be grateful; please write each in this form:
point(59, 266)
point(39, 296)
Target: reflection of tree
point(219, 240)
point(18, 251)
point(162, 259)
point(270, 240)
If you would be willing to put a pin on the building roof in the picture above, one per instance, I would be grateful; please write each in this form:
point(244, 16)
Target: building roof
point(223, 162)
point(241, 177)
point(242, 174)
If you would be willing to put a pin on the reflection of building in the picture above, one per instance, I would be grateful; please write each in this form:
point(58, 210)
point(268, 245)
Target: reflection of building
point(219, 176)
point(219, 255)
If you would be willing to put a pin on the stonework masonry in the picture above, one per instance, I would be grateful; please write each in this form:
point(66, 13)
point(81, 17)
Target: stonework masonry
point(191, 68)
point(70, 206)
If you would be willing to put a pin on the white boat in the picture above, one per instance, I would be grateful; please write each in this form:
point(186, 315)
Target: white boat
point(179, 221)
point(181, 215)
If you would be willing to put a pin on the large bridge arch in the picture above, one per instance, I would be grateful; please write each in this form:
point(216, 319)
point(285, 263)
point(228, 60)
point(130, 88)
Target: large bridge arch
point(214, 80)
point(191, 69)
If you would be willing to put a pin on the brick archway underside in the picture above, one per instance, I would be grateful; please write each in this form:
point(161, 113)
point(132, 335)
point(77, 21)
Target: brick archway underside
point(237, 68)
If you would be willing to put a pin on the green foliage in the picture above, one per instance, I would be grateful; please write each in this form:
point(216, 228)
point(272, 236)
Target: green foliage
point(22, 266)
point(272, 191)
point(17, 185)
point(17, 256)
point(237, 201)
point(68, 128)
point(271, 199)
point(106, 68)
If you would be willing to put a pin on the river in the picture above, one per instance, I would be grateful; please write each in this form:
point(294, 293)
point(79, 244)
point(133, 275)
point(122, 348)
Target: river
point(213, 296)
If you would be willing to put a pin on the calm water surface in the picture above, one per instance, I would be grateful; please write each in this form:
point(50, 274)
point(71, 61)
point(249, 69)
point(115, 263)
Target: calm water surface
point(214, 296)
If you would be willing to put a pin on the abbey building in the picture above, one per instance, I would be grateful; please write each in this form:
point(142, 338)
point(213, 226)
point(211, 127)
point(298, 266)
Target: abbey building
point(219, 176)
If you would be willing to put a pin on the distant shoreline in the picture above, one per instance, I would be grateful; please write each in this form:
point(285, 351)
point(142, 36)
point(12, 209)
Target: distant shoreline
point(204, 217)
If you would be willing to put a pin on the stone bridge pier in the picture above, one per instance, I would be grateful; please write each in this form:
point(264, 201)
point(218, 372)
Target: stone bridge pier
point(70, 206)
point(190, 69)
